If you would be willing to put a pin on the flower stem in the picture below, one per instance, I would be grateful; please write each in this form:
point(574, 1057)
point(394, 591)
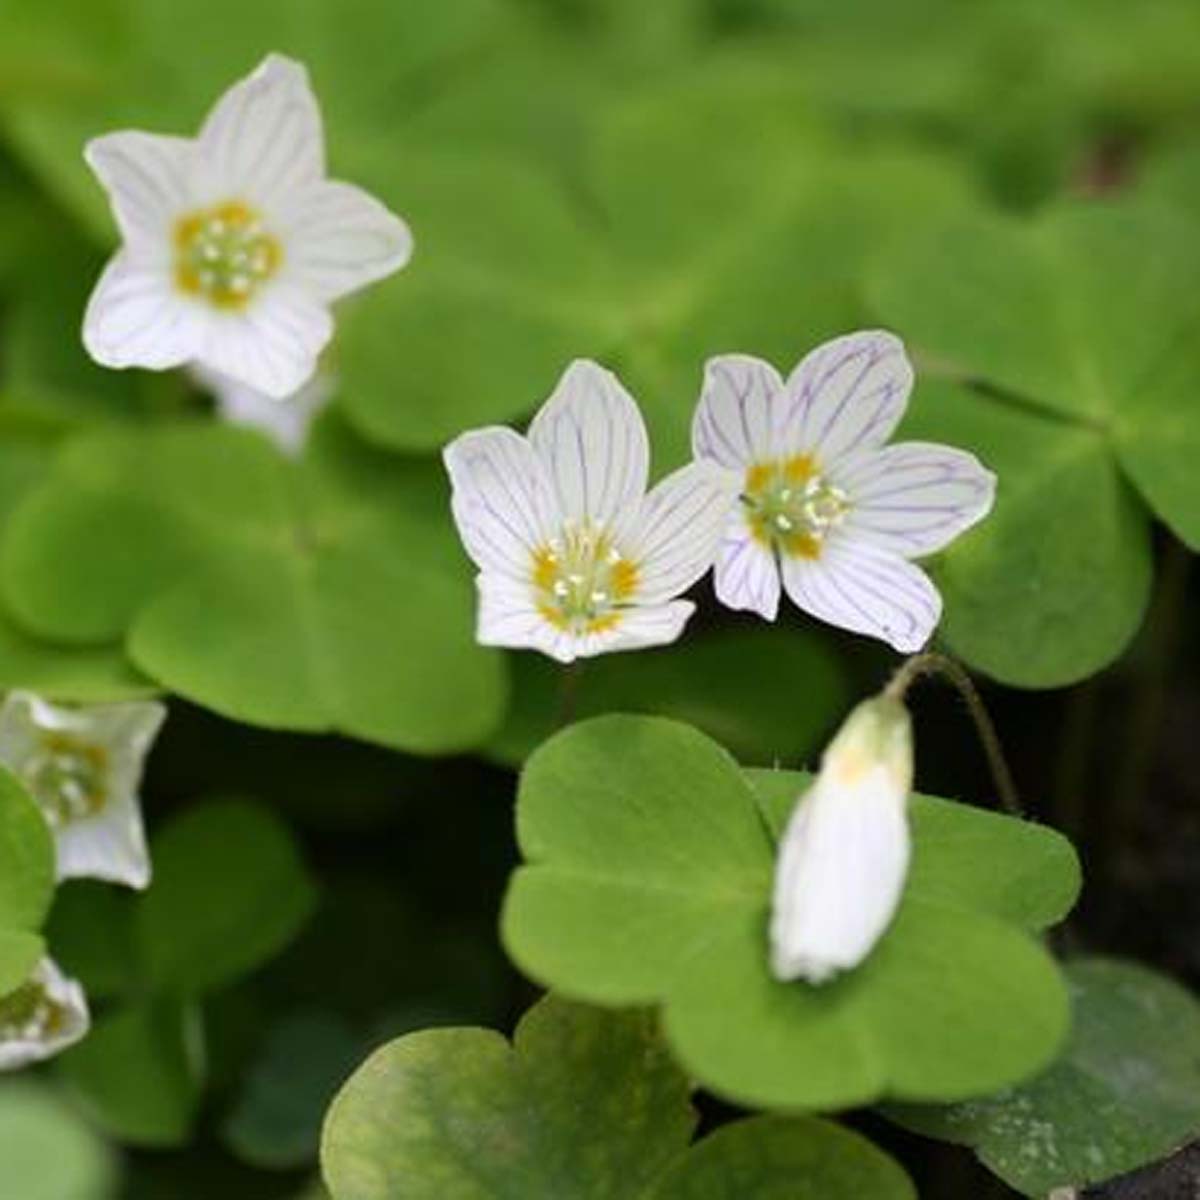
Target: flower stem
point(568, 693)
point(933, 663)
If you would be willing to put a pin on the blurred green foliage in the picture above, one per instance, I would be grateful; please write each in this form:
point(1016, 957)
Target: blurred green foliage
point(1013, 185)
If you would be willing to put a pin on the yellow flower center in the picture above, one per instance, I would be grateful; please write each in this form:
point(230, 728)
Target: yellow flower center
point(581, 579)
point(224, 255)
point(68, 778)
point(29, 1014)
point(791, 507)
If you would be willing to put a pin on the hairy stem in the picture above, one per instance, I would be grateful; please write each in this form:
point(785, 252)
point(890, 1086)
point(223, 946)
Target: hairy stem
point(932, 663)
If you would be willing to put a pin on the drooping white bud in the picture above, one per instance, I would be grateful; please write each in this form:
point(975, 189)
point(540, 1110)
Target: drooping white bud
point(844, 855)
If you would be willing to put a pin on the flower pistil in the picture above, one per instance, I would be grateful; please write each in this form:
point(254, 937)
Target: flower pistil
point(791, 506)
point(31, 1014)
point(224, 254)
point(68, 777)
point(581, 579)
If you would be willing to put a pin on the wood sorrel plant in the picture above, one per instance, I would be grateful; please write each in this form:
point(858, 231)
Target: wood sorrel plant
point(293, 626)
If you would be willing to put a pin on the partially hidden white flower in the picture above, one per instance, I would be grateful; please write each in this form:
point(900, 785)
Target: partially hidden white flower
point(826, 507)
point(83, 766)
point(575, 558)
point(234, 242)
point(286, 422)
point(844, 855)
point(42, 1017)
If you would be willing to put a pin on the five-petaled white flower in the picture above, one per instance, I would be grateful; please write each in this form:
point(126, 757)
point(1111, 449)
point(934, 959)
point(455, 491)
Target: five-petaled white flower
point(285, 422)
point(844, 855)
point(234, 243)
point(824, 503)
point(83, 767)
point(575, 558)
point(42, 1017)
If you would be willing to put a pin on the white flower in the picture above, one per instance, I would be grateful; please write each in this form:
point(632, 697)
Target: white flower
point(824, 504)
point(45, 1015)
point(286, 422)
point(844, 855)
point(83, 766)
point(575, 558)
point(234, 243)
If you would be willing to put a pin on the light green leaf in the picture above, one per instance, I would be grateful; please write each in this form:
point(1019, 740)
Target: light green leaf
point(1087, 318)
point(584, 1103)
point(137, 1073)
point(26, 858)
point(784, 1158)
point(45, 367)
point(1125, 1092)
point(1063, 519)
point(337, 577)
point(1014, 870)
point(739, 686)
point(20, 952)
point(69, 674)
point(229, 893)
point(66, 673)
point(649, 878)
point(1090, 313)
point(82, 69)
point(741, 226)
point(493, 307)
point(47, 1152)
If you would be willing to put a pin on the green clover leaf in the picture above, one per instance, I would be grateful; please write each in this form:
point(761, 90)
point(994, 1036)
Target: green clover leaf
point(138, 1073)
point(229, 893)
point(1064, 518)
point(190, 943)
point(584, 1104)
point(1082, 326)
point(1125, 1093)
point(650, 859)
point(26, 881)
point(70, 673)
point(322, 594)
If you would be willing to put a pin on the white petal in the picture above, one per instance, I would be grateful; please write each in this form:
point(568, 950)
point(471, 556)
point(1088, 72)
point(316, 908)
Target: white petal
point(273, 345)
point(109, 846)
point(263, 140)
point(747, 575)
point(286, 422)
point(857, 587)
point(650, 625)
point(674, 538)
point(915, 497)
point(738, 413)
point(847, 396)
point(842, 865)
point(592, 439)
point(502, 500)
point(136, 318)
point(74, 1020)
point(146, 177)
point(340, 239)
point(508, 616)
